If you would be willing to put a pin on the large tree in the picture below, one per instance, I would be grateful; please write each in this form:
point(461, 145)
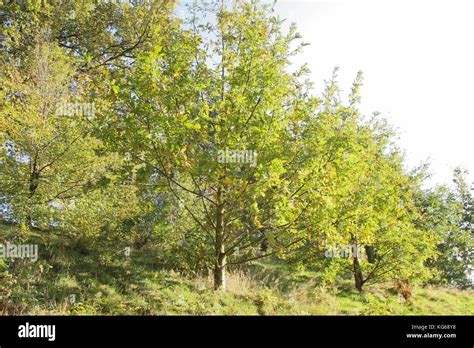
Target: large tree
point(223, 86)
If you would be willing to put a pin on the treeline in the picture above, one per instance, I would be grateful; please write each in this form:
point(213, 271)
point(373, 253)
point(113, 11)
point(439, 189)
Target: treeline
point(114, 119)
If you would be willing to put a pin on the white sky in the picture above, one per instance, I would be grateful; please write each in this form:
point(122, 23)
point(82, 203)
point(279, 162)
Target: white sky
point(418, 62)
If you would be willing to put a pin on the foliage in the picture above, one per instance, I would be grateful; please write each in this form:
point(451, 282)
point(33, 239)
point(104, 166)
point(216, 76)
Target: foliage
point(146, 153)
point(448, 213)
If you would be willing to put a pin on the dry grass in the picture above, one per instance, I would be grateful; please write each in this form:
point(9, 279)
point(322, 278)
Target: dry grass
point(241, 283)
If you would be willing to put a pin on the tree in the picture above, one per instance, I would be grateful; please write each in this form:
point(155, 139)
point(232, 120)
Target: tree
point(101, 35)
point(448, 213)
point(48, 156)
point(363, 197)
point(53, 69)
point(217, 118)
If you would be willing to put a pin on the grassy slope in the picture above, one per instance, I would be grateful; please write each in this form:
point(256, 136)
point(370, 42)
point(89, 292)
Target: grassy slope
point(115, 286)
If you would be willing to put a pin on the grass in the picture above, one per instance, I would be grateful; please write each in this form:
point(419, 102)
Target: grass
point(66, 281)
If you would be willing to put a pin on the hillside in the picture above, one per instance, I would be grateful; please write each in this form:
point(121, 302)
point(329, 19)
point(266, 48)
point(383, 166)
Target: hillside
point(72, 282)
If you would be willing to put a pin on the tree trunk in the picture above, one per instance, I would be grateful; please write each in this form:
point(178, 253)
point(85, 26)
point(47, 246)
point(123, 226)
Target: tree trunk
point(34, 181)
point(220, 272)
point(221, 257)
point(358, 278)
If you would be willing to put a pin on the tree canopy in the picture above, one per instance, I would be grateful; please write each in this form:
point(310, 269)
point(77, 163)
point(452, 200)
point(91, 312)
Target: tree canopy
point(199, 134)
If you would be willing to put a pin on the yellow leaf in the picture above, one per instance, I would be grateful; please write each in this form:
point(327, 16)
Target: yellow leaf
point(228, 181)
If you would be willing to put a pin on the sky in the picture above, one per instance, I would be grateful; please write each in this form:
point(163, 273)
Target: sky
point(417, 57)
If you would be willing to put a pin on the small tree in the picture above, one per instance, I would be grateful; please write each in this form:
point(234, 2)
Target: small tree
point(448, 213)
point(363, 201)
point(48, 154)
